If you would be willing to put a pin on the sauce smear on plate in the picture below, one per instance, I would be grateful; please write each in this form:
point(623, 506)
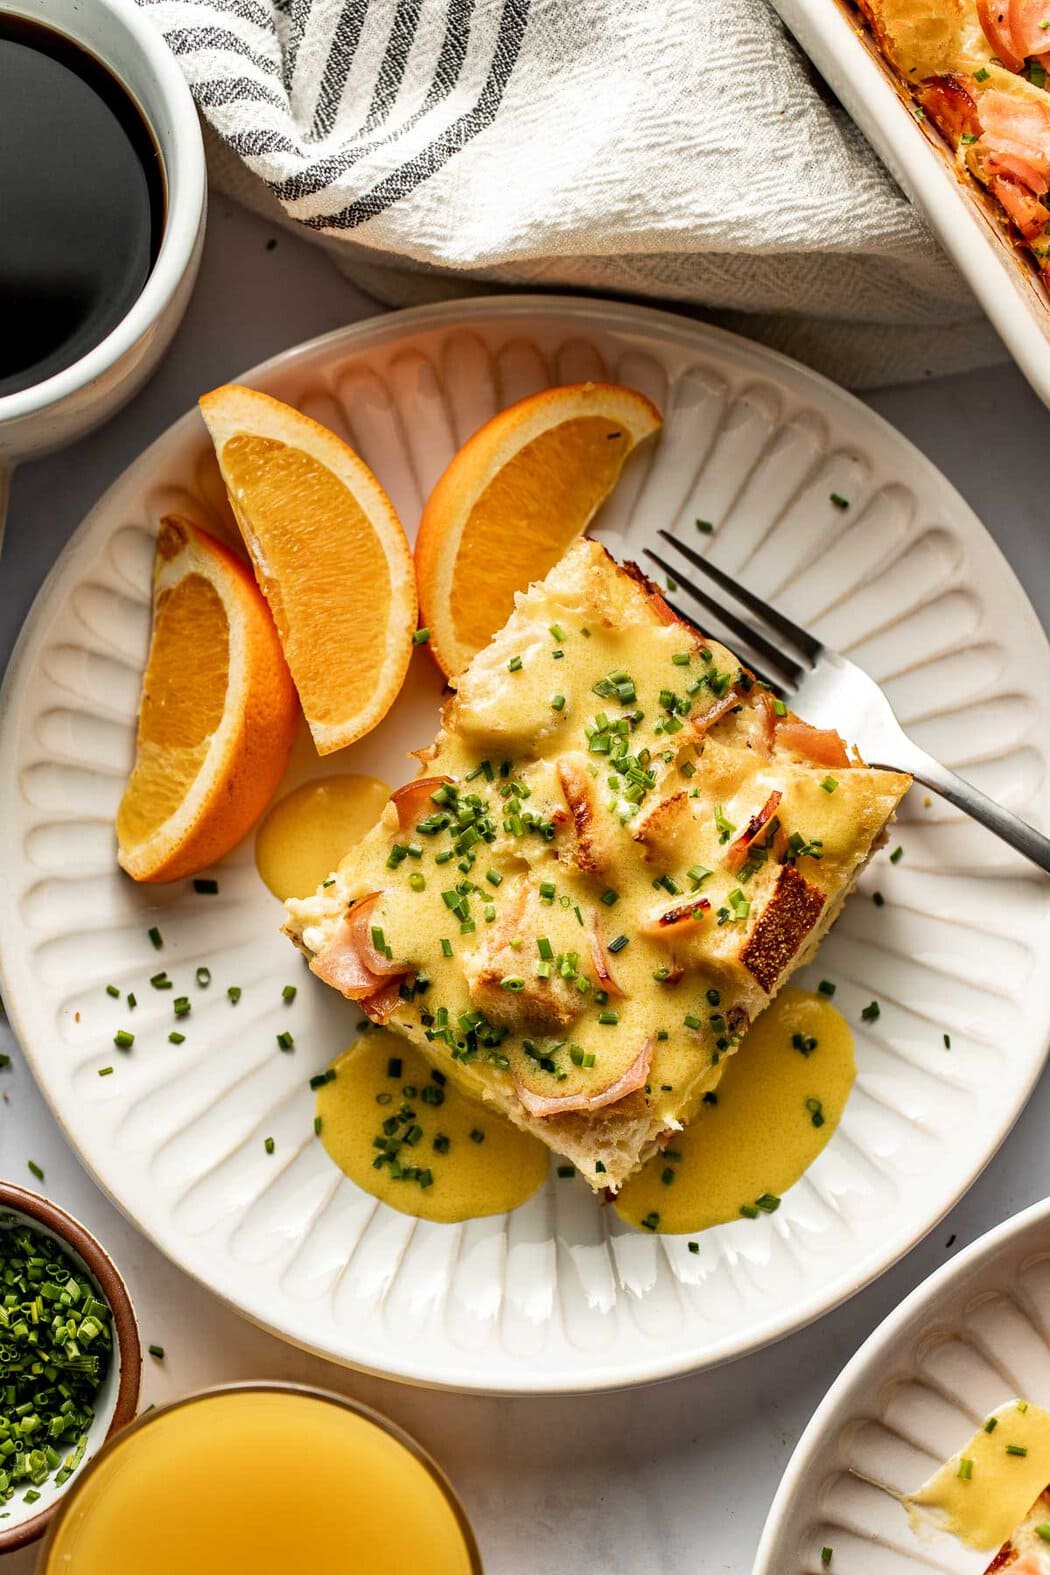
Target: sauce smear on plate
point(409, 1138)
point(307, 832)
point(985, 1490)
point(777, 1104)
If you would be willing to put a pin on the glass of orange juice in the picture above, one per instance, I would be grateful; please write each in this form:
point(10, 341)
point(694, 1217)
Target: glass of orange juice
point(269, 1478)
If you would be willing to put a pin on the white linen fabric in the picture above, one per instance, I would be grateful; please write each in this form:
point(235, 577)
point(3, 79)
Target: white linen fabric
point(677, 150)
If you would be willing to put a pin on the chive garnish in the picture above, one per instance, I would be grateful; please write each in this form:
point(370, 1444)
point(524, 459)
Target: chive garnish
point(105, 1071)
point(421, 636)
point(829, 784)
point(317, 1126)
point(610, 897)
point(319, 1079)
point(269, 1145)
point(651, 1221)
point(566, 1172)
point(878, 899)
point(156, 938)
point(839, 501)
point(965, 1470)
point(768, 1203)
point(871, 1012)
point(514, 665)
point(234, 994)
point(123, 1040)
point(181, 1006)
point(1043, 1530)
point(176, 1038)
point(705, 527)
point(111, 989)
point(618, 943)
point(160, 981)
point(157, 1351)
point(35, 1170)
point(609, 1018)
point(694, 1246)
point(203, 977)
point(825, 1555)
point(991, 1424)
point(947, 1041)
point(826, 987)
point(132, 1002)
point(285, 1040)
point(289, 993)
point(557, 702)
point(477, 1136)
point(1017, 1449)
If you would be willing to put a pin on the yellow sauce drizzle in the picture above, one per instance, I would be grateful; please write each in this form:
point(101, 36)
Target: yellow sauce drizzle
point(764, 1131)
point(984, 1504)
point(307, 832)
point(470, 1179)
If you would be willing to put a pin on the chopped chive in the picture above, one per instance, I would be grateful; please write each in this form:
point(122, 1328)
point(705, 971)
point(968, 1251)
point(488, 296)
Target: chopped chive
point(768, 1203)
point(897, 855)
point(476, 1135)
point(610, 898)
point(749, 1211)
point(181, 1006)
point(651, 1221)
point(494, 877)
point(825, 1555)
point(779, 708)
point(160, 981)
point(965, 1470)
point(417, 881)
point(871, 1012)
point(206, 887)
point(157, 1351)
point(667, 1175)
point(123, 1040)
point(446, 946)
point(35, 1170)
point(512, 982)
point(618, 943)
point(105, 1071)
point(514, 665)
point(132, 1002)
point(176, 1038)
point(317, 1126)
point(704, 527)
point(566, 1172)
point(557, 702)
point(319, 1079)
point(155, 937)
point(1043, 1530)
point(203, 977)
point(839, 501)
point(421, 636)
point(608, 1019)
point(234, 994)
point(1017, 1449)
point(826, 987)
point(680, 658)
point(829, 784)
point(289, 993)
point(991, 1424)
point(111, 989)
point(878, 899)
point(694, 1246)
point(947, 1041)
point(269, 1145)
point(285, 1040)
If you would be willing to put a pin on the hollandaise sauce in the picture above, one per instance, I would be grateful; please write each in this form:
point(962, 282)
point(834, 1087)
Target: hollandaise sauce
point(406, 1135)
point(263, 1479)
point(776, 1106)
point(985, 1490)
point(306, 833)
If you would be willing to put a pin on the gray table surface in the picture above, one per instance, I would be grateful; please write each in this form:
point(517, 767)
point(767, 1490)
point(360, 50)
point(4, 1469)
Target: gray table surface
point(660, 1481)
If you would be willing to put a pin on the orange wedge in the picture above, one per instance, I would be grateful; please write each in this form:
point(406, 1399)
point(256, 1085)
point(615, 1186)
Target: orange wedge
point(329, 554)
point(217, 714)
point(512, 500)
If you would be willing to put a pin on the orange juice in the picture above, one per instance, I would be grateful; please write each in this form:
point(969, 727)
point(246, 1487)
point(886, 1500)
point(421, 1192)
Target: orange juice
point(261, 1479)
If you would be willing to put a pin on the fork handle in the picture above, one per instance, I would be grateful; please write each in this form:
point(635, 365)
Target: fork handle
point(1010, 827)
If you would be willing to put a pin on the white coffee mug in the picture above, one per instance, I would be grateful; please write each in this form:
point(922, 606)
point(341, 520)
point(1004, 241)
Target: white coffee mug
point(63, 407)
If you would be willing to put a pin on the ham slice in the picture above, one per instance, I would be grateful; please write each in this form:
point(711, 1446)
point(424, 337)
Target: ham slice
point(1029, 24)
point(380, 1005)
point(996, 24)
point(821, 746)
point(1017, 130)
point(413, 800)
point(351, 963)
point(705, 720)
point(543, 1105)
point(1029, 214)
point(740, 847)
point(601, 960)
point(674, 922)
point(951, 106)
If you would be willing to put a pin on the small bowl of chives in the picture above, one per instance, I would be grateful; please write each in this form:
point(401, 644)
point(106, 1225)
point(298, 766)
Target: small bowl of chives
point(70, 1358)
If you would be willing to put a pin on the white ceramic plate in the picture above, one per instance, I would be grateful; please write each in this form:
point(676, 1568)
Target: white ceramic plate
point(962, 217)
point(973, 1336)
point(559, 1294)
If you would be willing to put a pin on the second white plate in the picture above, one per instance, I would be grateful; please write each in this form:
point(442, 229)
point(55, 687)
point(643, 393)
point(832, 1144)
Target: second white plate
point(559, 1294)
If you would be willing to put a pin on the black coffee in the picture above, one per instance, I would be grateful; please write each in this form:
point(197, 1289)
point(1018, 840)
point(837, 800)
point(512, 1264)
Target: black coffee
point(81, 203)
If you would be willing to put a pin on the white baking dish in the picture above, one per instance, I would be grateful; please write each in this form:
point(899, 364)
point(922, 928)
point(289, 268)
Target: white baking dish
point(1001, 274)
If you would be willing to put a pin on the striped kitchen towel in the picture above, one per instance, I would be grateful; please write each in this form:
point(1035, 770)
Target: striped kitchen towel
point(681, 150)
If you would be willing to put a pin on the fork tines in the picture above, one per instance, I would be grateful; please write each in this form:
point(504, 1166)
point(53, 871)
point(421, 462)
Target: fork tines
point(766, 634)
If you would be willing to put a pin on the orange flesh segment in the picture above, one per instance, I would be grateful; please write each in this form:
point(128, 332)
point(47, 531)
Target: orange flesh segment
point(534, 507)
point(318, 544)
point(182, 704)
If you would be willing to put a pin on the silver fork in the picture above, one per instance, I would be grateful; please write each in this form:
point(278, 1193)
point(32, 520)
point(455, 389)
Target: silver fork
point(832, 692)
